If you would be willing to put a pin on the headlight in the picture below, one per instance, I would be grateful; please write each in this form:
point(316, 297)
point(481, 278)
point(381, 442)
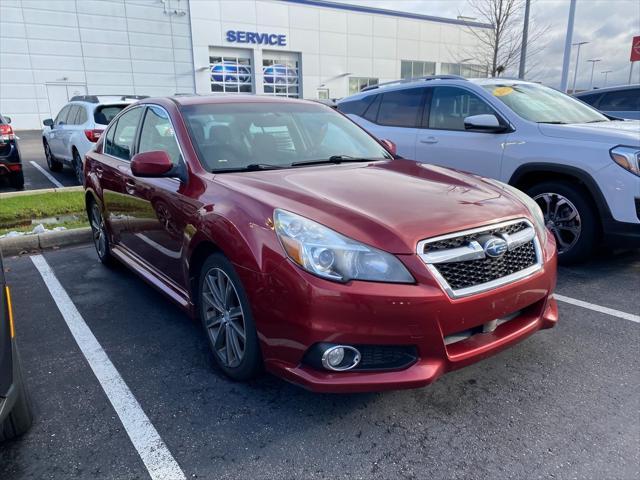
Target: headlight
point(323, 252)
point(627, 157)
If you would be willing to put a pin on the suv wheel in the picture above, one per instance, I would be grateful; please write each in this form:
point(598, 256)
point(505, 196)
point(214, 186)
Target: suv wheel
point(77, 167)
point(570, 216)
point(100, 234)
point(16, 180)
point(225, 313)
point(53, 164)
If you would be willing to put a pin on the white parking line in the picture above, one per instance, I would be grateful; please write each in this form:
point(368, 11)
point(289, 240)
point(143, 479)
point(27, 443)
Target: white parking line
point(50, 177)
point(154, 453)
point(598, 308)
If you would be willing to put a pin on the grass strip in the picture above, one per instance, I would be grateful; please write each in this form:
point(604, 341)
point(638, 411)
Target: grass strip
point(40, 205)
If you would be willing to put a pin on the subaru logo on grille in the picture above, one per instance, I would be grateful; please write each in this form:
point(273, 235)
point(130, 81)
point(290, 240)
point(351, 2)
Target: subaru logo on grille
point(495, 247)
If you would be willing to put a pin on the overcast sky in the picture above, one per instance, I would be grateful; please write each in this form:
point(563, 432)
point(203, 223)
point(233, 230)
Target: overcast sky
point(608, 24)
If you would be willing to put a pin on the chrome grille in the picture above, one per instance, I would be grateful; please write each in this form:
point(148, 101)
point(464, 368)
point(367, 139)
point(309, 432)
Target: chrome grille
point(462, 266)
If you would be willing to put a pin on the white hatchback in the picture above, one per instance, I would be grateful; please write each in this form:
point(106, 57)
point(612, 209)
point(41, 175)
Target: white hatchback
point(77, 128)
point(581, 167)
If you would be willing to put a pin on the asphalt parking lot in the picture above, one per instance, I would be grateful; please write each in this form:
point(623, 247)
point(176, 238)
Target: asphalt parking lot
point(37, 176)
point(562, 404)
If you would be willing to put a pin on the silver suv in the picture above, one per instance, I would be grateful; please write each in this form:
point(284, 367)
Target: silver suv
point(78, 127)
point(581, 167)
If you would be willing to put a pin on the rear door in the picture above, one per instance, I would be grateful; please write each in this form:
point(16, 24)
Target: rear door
point(67, 130)
point(156, 224)
point(113, 170)
point(444, 140)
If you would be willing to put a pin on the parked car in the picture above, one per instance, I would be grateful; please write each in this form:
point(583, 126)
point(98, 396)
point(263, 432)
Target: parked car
point(77, 128)
point(303, 245)
point(579, 166)
point(622, 101)
point(15, 409)
point(10, 163)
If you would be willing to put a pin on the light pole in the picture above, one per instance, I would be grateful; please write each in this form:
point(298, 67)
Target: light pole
point(593, 64)
point(525, 34)
point(606, 73)
point(575, 74)
point(566, 59)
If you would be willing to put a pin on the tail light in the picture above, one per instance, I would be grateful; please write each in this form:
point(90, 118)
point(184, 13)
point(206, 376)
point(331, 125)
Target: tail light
point(6, 133)
point(93, 135)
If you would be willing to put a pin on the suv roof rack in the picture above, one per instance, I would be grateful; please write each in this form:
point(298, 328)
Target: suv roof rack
point(414, 79)
point(95, 99)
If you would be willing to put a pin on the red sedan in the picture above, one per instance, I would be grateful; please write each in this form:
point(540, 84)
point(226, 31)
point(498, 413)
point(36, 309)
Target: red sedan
point(307, 248)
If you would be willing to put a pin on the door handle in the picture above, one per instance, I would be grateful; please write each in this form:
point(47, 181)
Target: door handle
point(429, 140)
point(99, 171)
point(130, 187)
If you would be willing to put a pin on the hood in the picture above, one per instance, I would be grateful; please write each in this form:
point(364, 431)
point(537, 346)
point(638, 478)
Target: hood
point(616, 132)
point(390, 205)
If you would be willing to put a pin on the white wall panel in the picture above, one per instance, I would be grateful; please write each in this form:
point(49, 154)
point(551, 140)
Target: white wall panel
point(333, 43)
point(360, 23)
point(238, 11)
point(331, 21)
point(272, 14)
point(408, 29)
point(304, 40)
point(304, 18)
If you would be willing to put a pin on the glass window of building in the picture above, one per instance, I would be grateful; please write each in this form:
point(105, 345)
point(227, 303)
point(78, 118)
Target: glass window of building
point(464, 69)
point(356, 84)
point(416, 68)
point(231, 74)
point(281, 74)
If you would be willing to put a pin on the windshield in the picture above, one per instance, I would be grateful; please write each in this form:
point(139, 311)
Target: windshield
point(233, 136)
point(542, 104)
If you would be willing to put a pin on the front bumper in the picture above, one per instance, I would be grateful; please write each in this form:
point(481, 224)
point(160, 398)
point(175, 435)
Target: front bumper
point(294, 310)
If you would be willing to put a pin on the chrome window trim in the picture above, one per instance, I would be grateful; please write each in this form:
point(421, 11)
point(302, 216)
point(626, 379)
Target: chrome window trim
point(471, 252)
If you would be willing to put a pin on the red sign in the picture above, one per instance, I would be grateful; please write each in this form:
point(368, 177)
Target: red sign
point(635, 49)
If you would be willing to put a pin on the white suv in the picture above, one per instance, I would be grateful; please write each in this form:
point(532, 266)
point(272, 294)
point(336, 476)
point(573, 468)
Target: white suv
point(78, 127)
point(580, 166)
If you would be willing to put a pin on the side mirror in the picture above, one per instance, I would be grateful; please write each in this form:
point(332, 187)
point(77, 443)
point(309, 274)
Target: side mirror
point(48, 122)
point(390, 146)
point(155, 163)
point(7, 119)
point(488, 123)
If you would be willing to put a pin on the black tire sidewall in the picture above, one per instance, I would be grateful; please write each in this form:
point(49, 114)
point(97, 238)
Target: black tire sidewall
point(589, 223)
point(77, 163)
point(252, 361)
point(16, 180)
point(107, 258)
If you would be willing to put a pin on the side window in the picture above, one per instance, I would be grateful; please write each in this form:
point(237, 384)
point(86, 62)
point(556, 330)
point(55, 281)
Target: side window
point(628, 99)
point(62, 116)
point(451, 105)
point(590, 99)
point(356, 107)
point(157, 134)
point(72, 118)
point(401, 108)
point(125, 133)
point(371, 113)
point(108, 141)
point(81, 117)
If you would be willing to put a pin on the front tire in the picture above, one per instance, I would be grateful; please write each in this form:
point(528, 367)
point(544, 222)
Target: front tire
point(226, 316)
point(53, 164)
point(20, 418)
point(570, 215)
point(100, 234)
point(77, 167)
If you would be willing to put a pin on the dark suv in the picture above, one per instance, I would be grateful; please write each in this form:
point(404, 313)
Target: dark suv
point(10, 163)
point(15, 412)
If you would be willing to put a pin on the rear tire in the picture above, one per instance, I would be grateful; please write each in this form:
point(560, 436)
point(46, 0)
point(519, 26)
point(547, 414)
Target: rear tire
point(569, 214)
point(20, 418)
point(16, 180)
point(226, 317)
point(100, 234)
point(53, 164)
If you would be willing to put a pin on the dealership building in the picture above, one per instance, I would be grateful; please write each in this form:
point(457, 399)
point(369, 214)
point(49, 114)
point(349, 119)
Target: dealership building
point(51, 51)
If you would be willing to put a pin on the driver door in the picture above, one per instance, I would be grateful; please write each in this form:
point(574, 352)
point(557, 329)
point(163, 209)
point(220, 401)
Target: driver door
point(445, 141)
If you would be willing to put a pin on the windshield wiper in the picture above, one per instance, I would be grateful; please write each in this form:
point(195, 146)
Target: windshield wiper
point(252, 167)
point(336, 159)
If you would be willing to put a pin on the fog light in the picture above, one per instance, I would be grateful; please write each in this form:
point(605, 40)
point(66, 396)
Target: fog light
point(340, 358)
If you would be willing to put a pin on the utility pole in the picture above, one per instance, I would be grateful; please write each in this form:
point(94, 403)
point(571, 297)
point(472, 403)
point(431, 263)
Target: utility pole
point(525, 34)
point(575, 74)
point(567, 47)
point(606, 73)
point(593, 64)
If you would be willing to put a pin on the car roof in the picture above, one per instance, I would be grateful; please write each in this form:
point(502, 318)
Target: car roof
point(614, 88)
point(185, 100)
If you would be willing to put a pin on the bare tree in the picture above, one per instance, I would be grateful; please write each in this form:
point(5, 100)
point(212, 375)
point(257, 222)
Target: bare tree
point(499, 47)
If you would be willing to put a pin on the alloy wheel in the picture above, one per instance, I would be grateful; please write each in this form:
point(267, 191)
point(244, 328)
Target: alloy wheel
point(224, 318)
point(99, 231)
point(561, 217)
point(47, 154)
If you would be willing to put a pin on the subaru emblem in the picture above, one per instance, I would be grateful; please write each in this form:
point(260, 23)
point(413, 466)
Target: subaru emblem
point(495, 247)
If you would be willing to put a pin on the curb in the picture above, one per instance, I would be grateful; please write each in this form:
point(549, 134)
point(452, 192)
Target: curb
point(29, 243)
point(21, 193)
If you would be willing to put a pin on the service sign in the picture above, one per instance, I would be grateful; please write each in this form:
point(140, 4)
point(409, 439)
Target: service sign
point(256, 38)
